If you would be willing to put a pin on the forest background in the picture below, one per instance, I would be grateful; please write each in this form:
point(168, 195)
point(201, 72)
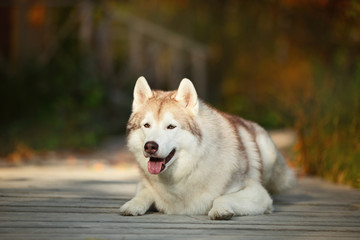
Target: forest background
point(285, 64)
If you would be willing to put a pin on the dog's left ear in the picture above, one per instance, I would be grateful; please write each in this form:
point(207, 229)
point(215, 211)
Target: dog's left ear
point(186, 94)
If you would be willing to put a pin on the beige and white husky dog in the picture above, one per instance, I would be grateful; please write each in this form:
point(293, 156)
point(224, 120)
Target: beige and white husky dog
point(195, 159)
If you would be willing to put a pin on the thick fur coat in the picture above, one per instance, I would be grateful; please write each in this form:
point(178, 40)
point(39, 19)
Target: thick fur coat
point(195, 159)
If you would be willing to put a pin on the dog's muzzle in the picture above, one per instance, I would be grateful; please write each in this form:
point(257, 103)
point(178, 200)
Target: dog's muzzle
point(157, 165)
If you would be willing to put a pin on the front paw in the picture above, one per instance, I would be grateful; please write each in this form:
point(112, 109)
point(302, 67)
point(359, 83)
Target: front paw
point(220, 213)
point(133, 208)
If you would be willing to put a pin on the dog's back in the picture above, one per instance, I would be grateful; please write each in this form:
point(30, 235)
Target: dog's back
point(264, 163)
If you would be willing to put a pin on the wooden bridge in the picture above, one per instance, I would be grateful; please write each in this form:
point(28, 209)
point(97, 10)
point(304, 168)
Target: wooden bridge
point(81, 201)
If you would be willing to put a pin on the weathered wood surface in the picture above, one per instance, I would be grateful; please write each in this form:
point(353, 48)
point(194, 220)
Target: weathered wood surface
point(79, 202)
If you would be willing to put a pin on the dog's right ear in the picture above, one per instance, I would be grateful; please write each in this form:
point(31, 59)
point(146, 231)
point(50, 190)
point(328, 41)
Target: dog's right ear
point(142, 92)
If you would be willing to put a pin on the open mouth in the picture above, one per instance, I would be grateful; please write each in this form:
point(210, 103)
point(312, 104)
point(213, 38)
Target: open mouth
point(156, 165)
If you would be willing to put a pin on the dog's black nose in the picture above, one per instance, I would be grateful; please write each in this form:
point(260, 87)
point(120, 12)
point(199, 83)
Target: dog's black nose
point(151, 147)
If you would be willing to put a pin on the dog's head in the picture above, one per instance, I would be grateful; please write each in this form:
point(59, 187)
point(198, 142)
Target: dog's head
point(163, 124)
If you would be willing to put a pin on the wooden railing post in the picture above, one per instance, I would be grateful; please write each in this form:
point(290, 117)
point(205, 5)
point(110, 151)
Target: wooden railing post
point(198, 65)
point(135, 48)
point(176, 68)
point(86, 25)
point(104, 47)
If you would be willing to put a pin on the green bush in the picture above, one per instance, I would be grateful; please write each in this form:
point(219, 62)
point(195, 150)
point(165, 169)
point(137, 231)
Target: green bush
point(329, 127)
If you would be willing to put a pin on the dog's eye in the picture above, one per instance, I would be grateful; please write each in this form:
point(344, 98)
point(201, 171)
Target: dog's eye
point(171, 126)
point(146, 125)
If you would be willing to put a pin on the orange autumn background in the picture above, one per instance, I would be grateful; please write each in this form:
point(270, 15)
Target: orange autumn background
point(67, 70)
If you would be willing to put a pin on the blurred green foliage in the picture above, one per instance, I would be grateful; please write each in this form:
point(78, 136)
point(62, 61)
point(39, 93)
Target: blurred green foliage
point(329, 127)
point(53, 105)
point(281, 63)
point(50, 106)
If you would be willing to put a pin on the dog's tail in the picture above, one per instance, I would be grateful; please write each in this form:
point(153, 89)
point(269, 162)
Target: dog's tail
point(283, 177)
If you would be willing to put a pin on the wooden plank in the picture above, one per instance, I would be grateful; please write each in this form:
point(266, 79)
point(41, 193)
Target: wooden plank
point(111, 202)
point(159, 218)
point(275, 235)
point(113, 217)
point(219, 225)
point(171, 229)
point(114, 210)
point(170, 233)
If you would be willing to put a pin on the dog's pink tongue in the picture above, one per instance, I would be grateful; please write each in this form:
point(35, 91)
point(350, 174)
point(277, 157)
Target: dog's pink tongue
point(154, 167)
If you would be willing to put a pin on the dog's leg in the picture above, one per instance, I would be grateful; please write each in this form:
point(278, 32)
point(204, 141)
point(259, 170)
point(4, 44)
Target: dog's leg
point(253, 199)
point(139, 204)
